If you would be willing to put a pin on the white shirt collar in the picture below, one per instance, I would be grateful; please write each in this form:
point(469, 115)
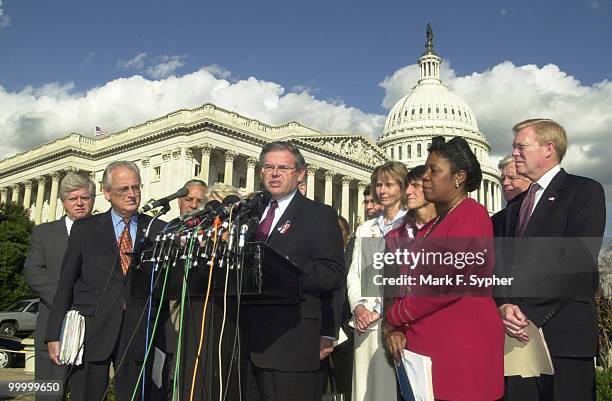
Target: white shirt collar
point(69, 222)
point(283, 203)
point(545, 180)
point(386, 227)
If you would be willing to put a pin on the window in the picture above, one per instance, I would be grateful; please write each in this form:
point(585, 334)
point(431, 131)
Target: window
point(409, 151)
point(445, 110)
point(429, 109)
point(412, 111)
point(421, 110)
point(399, 152)
point(156, 173)
point(242, 182)
point(196, 170)
point(453, 111)
point(437, 109)
point(33, 308)
point(428, 145)
point(392, 154)
point(418, 150)
point(405, 113)
point(459, 112)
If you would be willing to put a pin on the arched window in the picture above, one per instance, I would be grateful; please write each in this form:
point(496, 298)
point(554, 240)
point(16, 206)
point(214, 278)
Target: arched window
point(418, 150)
point(392, 155)
point(412, 111)
point(399, 152)
point(409, 151)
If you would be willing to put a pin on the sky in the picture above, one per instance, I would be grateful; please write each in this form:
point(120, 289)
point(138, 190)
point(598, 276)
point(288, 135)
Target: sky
point(336, 66)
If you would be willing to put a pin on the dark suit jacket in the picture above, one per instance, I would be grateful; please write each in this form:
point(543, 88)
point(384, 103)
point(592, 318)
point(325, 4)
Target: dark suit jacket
point(286, 337)
point(91, 255)
point(42, 269)
point(555, 263)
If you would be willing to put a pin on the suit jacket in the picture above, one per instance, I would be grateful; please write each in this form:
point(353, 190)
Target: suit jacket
point(286, 337)
point(555, 263)
point(42, 269)
point(91, 261)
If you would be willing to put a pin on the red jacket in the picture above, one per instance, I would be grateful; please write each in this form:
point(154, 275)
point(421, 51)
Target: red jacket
point(463, 335)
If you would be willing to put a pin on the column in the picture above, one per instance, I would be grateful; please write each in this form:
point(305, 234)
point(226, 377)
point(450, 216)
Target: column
point(27, 195)
point(53, 197)
point(360, 208)
point(40, 198)
point(346, 182)
point(3, 193)
point(481, 193)
point(311, 170)
point(15, 193)
point(229, 167)
point(251, 162)
point(329, 181)
point(205, 162)
point(489, 196)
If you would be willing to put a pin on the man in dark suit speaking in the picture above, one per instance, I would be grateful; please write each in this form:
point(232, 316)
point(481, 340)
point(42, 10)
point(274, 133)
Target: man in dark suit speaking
point(96, 280)
point(284, 340)
point(558, 225)
point(42, 267)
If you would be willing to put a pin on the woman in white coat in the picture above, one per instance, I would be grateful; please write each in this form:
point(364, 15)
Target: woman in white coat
point(373, 370)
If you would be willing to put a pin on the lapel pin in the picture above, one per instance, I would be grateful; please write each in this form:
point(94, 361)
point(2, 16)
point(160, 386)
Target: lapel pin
point(285, 227)
point(551, 199)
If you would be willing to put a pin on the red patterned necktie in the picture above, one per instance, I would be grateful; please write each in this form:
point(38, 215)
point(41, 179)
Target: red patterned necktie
point(125, 246)
point(526, 209)
point(263, 229)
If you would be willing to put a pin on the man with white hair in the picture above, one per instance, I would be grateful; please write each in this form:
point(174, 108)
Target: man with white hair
point(513, 184)
point(98, 270)
point(42, 267)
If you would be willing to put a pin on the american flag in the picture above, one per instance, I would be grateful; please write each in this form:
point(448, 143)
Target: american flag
point(100, 132)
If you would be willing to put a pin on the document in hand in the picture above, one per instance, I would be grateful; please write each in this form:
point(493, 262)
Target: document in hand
point(71, 338)
point(527, 360)
point(414, 377)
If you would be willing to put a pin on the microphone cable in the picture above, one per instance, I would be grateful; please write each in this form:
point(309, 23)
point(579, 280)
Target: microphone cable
point(216, 224)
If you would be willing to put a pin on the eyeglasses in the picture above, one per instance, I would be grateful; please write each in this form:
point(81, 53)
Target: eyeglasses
point(282, 169)
point(123, 191)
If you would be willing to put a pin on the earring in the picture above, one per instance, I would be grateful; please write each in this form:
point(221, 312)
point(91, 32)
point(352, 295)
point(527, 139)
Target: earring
point(456, 184)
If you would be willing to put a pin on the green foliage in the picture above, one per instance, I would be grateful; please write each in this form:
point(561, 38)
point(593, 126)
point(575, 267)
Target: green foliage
point(15, 229)
point(603, 379)
point(604, 312)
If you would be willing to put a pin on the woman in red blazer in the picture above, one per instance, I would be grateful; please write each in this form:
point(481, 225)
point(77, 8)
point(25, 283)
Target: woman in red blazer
point(462, 334)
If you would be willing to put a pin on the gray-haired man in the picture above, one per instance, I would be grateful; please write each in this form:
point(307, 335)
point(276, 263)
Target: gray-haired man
point(43, 264)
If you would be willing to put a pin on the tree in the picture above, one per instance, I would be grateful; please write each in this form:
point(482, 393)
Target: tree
point(15, 229)
point(604, 308)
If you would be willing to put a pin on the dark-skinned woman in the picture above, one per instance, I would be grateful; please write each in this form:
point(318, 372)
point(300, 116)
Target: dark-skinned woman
point(462, 334)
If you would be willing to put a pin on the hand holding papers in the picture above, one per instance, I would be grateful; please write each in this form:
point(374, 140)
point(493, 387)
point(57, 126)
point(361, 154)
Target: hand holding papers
point(529, 359)
point(414, 377)
point(71, 338)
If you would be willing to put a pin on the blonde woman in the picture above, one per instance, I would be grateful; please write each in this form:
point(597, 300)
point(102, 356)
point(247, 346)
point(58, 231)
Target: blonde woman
point(373, 371)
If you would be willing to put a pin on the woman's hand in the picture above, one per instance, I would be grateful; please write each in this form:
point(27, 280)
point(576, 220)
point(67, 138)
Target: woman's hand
point(395, 341)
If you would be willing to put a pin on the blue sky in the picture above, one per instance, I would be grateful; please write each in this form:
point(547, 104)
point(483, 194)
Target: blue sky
point(334, 65)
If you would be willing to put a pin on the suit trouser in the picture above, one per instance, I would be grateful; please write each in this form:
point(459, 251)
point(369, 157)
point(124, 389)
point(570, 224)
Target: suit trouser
point(574, 380)
point(274, 385)
point(47, 370)
point(126, 367)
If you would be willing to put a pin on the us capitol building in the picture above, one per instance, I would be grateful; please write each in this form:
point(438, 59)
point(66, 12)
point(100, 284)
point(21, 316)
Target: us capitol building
point(219, 145)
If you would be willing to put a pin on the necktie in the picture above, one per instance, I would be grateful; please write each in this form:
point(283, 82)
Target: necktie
point(263, 229)
point(125, 246)
point(526, 208)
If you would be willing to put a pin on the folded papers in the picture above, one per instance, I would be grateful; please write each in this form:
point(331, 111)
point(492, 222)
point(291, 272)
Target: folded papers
point(71, 338)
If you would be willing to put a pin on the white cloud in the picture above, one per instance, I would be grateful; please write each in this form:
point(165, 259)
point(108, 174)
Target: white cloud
point(218, 71)
point(37, 115)
point(166, 66)
point(136, 63)
point(4, 19)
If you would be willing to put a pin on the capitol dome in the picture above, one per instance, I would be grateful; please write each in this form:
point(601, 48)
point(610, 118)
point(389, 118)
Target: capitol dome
point(429, 110)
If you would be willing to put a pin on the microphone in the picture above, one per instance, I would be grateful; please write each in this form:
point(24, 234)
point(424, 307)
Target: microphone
point(253, 204)
point(194, 217)
point(164, 201)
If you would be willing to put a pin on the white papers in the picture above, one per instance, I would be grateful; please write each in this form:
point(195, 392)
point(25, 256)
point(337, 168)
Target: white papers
point(158, 365)
point(417, 371)
point(527, 360)
point(71, 338)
